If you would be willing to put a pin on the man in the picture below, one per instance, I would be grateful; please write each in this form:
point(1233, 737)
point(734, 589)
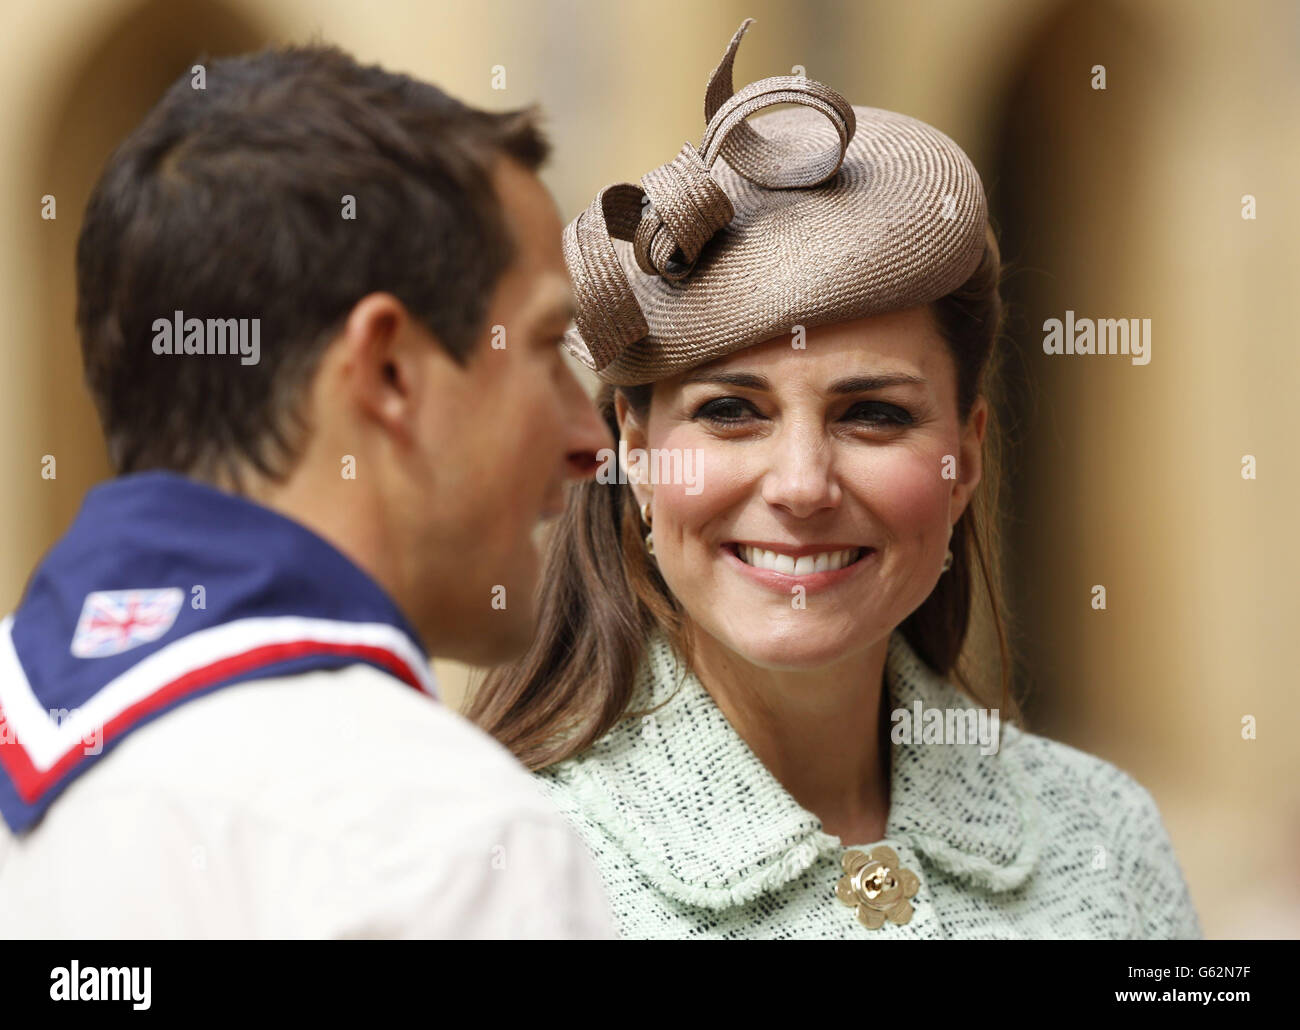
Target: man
point(320, 307)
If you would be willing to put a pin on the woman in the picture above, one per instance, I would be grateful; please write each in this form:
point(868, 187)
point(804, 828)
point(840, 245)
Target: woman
point(742, 691)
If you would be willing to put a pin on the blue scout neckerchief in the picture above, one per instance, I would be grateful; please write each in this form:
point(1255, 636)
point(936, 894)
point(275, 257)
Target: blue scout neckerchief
point(164, 590)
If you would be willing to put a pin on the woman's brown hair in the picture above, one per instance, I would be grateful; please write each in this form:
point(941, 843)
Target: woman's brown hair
point(601, 594)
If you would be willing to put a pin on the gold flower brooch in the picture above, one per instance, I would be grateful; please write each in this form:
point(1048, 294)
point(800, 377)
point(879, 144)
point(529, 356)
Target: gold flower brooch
point(877, 886)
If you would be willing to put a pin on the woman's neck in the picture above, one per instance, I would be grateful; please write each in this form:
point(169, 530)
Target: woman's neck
point(821, 732)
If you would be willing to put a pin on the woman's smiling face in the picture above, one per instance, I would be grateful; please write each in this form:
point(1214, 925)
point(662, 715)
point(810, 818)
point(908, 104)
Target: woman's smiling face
point(826, 483)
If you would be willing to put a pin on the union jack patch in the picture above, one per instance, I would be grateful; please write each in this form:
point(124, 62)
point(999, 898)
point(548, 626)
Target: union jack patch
point(113, 621)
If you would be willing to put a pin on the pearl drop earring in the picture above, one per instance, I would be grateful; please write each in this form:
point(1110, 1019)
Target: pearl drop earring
point(649, 537)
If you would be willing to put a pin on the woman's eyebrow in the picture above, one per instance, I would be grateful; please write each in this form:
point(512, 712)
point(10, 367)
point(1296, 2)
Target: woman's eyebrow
point(853, 384)
point(745, 380)
point(863, 384)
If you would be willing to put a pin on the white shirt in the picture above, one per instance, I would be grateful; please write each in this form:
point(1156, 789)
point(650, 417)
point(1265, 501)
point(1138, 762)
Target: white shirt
point(326, 804)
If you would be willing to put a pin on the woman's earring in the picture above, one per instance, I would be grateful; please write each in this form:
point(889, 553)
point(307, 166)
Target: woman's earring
point(649, 537)
point(947, 562)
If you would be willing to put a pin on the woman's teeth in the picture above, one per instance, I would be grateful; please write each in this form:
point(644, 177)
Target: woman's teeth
point(774, 561)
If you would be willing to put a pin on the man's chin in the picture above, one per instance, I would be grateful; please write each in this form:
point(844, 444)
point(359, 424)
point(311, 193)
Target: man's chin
point(501, 639)
point(513, 643)
point(503, 629)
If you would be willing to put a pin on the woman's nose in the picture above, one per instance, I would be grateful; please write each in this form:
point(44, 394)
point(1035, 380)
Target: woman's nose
point(800, 476)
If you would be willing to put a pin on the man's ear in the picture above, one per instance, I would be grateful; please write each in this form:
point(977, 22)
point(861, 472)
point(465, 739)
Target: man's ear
point(633, 434)
point(383, 357)
point(970, 463)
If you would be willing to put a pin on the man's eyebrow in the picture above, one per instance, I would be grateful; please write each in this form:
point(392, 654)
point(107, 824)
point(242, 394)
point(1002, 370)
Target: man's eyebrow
point(560, 310)
point(551, 309)
point(852, 384)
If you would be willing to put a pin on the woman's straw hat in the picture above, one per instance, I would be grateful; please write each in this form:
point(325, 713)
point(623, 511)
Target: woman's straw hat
point(818, 213)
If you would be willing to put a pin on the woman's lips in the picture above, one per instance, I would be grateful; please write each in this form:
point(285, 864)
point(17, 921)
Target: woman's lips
point(784, 582)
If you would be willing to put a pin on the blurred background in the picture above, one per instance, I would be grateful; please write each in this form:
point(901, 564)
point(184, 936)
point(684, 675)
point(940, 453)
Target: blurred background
point(1125, 203)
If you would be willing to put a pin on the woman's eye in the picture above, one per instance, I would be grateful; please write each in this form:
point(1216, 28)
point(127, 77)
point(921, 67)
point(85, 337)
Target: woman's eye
point(878, 413)
point(725, 410)
point(734, 410)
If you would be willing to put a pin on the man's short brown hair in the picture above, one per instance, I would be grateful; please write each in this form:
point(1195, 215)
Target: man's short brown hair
point(228, 202)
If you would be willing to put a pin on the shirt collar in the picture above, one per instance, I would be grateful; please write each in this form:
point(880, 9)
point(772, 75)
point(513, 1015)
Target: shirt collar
point(706, 821)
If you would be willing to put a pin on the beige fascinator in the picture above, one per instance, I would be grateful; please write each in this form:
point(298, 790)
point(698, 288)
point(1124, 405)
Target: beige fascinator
point(821, 212)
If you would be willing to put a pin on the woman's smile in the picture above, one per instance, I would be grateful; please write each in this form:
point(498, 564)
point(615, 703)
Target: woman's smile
point(781, 567)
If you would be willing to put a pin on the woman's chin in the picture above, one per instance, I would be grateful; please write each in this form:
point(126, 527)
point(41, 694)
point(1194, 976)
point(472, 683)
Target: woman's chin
point(794, 647)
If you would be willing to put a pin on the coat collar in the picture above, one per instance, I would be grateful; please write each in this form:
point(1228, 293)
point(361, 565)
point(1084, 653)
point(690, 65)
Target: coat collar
point(703, 818)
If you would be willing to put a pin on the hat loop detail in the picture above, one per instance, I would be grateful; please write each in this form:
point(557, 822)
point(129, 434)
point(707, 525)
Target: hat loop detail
point(686, 206)
point(767, 162)
point(679, 206)
point(607, 312)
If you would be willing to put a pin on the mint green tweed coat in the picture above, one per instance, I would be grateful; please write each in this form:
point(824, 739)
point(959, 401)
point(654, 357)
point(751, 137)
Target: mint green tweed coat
point(695, 838)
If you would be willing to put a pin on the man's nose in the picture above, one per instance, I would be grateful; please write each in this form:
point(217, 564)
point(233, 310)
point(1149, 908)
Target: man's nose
point(587, 432)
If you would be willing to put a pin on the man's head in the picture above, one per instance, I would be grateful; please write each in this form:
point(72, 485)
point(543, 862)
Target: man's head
point(402, 261)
